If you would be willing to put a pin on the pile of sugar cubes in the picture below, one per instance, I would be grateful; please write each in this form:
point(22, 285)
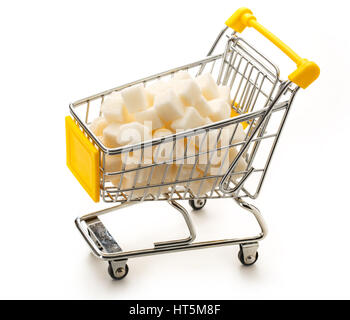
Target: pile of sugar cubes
point(140, 113)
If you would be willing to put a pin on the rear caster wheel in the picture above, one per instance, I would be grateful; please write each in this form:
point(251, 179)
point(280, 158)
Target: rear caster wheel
point(119, 273)
point(249, 259)
point(197, 204)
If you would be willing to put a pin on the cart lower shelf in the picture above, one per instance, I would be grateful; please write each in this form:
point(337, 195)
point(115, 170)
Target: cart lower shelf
point(106, 248)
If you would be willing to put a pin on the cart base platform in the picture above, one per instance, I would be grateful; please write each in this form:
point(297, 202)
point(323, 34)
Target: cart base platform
point(106, 248)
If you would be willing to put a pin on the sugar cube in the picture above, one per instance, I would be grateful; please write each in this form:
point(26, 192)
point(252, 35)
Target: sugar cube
point(188, 91)
point(239, 134)
point(163, 132)
point(110, 134)
point(155, 88)
point(168, 106)
point(201, 187)
point(112, 164)
point(225, 93)
point(241, 165)
point(113, 108)
point(149, 117)
point(187, 172)
point(208, 86)
point(202, 106)
point(198, 187)
point(132, 180)
point(220, 109)
point(161, 175)
point(97, 126)
point(182, 75)
point(208, 120)
point(132, 133)
point(135, 98)
point(191, 119)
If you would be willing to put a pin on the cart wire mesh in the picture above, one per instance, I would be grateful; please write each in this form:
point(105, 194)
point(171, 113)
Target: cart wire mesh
point(190, 164)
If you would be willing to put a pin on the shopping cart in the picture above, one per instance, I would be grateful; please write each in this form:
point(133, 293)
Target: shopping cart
point(261, 102)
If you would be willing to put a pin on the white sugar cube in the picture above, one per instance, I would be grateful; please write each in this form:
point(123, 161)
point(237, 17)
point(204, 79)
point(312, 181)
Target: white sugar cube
point(135, 98)
point(225, 93)
point(182, 75)
point(202, 106)
point(220, 109)
point(191, 119)
point(146, 178)
point(131, 180)
point(208, 120)
point(149, 117)
point(115, 96)
point(241, 165)
point(186, 172)
point(217, 143)
point(208, 86)
point(198, 141)
point(110, 134)
point(231, 135)
point(112, 164)
point(168, 106)
point(114, 113)
point(97, 126)
point(212, 142)
point(113, 108)
point(201, 187)
point(188, 91)
point(162, 133)
point(198, 187)
point(132, 133)
point(239, 134)
point(162, 152)
point(155, 88)
point(171, 150)
point(161, 175)
point(179, 152)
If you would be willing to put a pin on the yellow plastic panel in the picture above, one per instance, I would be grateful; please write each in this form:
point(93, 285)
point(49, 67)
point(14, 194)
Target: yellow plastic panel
point(82, 159)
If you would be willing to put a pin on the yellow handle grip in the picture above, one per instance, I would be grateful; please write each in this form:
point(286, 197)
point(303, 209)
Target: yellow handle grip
point(306, 72)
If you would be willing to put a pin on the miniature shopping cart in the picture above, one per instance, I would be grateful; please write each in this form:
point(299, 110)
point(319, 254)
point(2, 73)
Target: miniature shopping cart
point(261, 103)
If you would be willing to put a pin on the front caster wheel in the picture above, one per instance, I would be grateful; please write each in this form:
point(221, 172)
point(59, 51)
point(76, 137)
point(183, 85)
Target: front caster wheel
point(249, 259)
point(197, 204)
point(119, 273)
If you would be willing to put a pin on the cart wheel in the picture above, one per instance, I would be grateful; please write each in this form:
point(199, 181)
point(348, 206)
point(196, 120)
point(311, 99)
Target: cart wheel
point(197, 204)
point(121, 273)
point(251, 260)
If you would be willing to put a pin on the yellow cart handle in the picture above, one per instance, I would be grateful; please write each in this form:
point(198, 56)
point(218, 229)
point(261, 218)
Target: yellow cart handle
point(306, 72)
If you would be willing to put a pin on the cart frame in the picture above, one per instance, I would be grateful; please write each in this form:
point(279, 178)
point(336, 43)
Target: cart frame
point(277, 99)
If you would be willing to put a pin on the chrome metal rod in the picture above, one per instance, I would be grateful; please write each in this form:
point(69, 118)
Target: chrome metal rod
point(104, 211)
point(224, 183)
point(182, 247)
point(189, 224)
point(218, 38)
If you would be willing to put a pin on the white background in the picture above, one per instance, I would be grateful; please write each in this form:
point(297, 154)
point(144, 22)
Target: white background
point(53, 53)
